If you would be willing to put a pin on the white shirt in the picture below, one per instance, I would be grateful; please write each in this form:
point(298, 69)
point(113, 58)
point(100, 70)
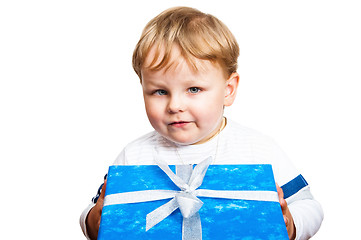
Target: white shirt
point(234, 145)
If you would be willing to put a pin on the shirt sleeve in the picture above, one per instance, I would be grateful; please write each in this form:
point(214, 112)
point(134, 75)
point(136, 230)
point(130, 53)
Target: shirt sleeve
point(307, 213)
point(121, 159)
point(83, 217)
point(84, 214)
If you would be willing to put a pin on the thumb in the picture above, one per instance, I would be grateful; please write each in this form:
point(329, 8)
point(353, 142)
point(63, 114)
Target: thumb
point(279, 191)
point(99, 203)
point(102, 193)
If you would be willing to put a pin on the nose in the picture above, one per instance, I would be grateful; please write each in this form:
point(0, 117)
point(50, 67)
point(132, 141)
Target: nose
point(176, 104)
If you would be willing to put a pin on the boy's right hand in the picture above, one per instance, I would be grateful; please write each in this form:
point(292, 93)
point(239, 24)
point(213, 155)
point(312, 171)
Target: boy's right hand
point(93, 219)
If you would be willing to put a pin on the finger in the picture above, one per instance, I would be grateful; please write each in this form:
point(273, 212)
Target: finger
point(99, 204)
point(102, 194)
point(279, 191)
point(284, 206)
point(286, 220)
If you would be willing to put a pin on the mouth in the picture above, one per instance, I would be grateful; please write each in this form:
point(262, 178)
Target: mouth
point(178, 123)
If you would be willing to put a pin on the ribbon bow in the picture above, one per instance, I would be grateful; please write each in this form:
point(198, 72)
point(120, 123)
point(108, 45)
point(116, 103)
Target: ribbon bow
point(188, 180)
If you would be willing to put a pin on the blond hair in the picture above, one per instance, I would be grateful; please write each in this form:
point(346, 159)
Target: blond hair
point(198, 35)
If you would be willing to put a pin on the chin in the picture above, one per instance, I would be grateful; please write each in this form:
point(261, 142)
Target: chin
point(182, 141)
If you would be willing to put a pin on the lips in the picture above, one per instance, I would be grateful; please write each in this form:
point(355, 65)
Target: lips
point(179, 123)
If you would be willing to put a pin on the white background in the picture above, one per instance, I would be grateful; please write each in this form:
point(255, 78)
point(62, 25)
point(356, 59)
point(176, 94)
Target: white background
point(70, 101)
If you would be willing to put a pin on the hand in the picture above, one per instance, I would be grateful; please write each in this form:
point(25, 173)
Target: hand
point(93, 219)
point(291, 229)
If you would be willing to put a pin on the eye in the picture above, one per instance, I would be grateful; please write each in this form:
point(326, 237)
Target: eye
point(160, 92)
point(194, 90)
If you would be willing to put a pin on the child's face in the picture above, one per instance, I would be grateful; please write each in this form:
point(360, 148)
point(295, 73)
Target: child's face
point(184, 105)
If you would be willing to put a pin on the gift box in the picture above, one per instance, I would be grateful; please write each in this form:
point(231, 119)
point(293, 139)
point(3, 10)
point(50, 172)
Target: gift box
point(232, 202)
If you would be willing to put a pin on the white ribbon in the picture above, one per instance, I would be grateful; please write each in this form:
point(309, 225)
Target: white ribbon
point(188, 180)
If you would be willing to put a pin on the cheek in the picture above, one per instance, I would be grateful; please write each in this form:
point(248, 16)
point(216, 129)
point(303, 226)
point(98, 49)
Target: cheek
point(213, 101)
point(150, 109)
point(153, 111)
point(209, 108)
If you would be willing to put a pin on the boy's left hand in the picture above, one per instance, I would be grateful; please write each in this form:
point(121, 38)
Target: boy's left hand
point(291, 229)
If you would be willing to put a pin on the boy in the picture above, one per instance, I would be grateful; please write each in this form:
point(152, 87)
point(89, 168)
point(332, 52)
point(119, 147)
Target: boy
point(186, 61)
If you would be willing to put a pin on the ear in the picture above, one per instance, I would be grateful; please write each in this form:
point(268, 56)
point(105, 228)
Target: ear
point(231, 89)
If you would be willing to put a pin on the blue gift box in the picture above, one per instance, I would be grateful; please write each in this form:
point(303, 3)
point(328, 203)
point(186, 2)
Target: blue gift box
point(221, 218)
